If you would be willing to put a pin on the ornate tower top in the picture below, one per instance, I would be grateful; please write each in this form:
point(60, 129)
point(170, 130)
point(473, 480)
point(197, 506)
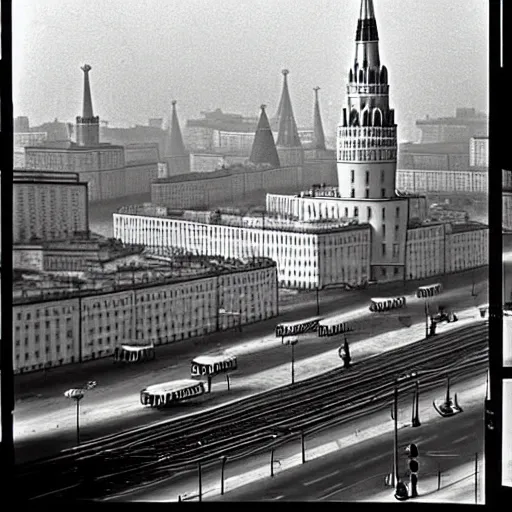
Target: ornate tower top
point(318, 134)
point(87, 112)
point(263, 148)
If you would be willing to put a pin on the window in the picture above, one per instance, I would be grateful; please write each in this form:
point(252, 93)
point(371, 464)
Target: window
point(397, 213)
point(383, 192)
point(352, 176)
point(369, 212)
point(346, 212)
point(367, 193)
point(384, 272)
point(356, 211)
point(352, 193)
point(367, 178)
point(382, 176)
point(383, 213)
point(383, 249)
point(396, 271)
point(383, 230)
point(397, 230)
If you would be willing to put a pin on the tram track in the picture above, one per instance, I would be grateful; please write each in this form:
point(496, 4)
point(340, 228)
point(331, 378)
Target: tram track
point(250, 421)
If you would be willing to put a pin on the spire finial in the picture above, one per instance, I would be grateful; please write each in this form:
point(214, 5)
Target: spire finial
point(263, 106)
point(285, 72)
point(86, 68)
point(316, 89)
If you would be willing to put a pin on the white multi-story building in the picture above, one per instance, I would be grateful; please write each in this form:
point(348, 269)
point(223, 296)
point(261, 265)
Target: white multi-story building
point(48, 206)
point(308, 254)
point(52, 328)
point(438, 181)
point(479, 152)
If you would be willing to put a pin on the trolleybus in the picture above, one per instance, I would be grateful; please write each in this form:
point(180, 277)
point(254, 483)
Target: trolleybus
point(171, 393)
point(211, 366)
point(134, 353)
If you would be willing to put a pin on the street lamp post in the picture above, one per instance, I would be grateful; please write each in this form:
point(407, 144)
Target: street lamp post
point(223, 467)
point(396, 478)
point(291, 342)
point(317, 301)
point(77, 394)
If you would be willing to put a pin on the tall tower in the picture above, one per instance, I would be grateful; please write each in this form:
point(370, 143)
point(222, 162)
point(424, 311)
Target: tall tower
point(87, 126)
point(367, 142)
point(289, 147)
point(178, 160)
point(264, 148)
point(318, 129)
point(367, 154)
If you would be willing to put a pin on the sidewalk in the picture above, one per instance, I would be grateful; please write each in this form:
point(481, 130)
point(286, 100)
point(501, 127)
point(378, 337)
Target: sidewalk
point(457, 486)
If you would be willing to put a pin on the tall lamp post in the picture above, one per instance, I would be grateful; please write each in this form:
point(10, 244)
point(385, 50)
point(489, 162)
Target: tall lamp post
point(403, 378)
point(292, 341)
point(77, 394)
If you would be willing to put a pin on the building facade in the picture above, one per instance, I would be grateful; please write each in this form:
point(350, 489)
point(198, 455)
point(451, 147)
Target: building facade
point(308, 255)
point(466, 123)
point(479, 152)
point(439, 181)
point(48, 206)
point(435, 156)
point(55, 329)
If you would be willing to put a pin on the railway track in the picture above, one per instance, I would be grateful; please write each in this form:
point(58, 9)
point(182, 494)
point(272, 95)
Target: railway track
point(118, 461)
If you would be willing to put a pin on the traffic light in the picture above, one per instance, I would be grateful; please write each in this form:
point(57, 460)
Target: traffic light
point(413, 453)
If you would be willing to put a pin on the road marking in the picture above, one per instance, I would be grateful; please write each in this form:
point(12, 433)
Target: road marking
point(342, 489)
point(334, 489)
point(321, 478)
point(277, 497)
point(463, 438)
point(366, 461)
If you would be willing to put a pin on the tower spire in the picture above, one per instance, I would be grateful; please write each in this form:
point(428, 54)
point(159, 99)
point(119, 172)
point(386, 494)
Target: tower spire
point(367, 37)
point(87, 104)
point(176, 146)
point(87, 126)
point(176, 156)
point(318, 133)
point(263, 148)
point(288, 135)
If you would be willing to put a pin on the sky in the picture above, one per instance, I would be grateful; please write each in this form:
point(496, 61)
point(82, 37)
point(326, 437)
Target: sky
point(229, 54)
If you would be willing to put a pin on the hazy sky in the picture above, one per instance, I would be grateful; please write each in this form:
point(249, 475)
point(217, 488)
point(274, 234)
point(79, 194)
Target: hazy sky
point(229, 54)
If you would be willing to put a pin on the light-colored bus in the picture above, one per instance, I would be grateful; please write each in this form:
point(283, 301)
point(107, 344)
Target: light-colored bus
point(170, 393)
point(211, 366)
point(134, 353)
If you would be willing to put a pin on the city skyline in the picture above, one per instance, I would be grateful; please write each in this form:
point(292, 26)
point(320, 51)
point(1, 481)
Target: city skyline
point(452, 73)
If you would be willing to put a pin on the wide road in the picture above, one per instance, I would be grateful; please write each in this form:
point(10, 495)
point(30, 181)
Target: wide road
point(358, 473)
point(45, 420)
point(348, 462)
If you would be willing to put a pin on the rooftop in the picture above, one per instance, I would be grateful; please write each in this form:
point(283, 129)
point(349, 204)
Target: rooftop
point(468, 226)
point(237, 218)
point(434, 148)
point(220, 173)
point(153, 268)
point(70, 146)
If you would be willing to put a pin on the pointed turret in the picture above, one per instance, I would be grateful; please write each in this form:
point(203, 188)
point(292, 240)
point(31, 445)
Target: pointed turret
point(263, 148)
point(288, 135)
point(175, 141)
point(318, 133)
point(175, 153)
point(289, 147)
point(87, 126)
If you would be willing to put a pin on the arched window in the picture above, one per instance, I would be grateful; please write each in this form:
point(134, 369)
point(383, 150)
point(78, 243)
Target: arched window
point(366, 117)
point(377, 117)
point(384, 75)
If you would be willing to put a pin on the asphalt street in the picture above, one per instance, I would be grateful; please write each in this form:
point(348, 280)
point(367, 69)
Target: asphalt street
point(355, 462)
point(37, 394)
